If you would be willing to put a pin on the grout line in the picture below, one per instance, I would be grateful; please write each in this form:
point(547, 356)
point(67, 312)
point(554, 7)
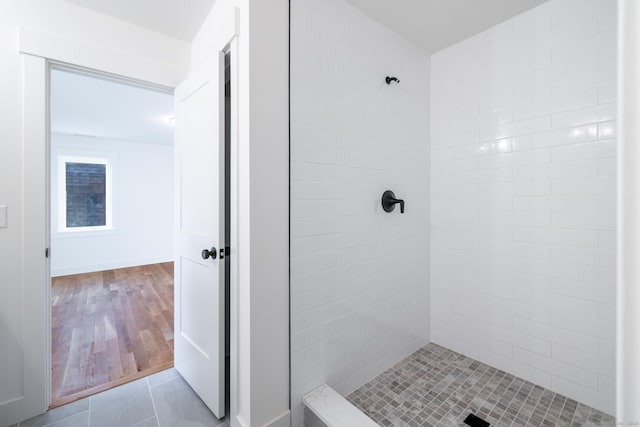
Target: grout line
point(537, 401)
point(526, 399)
point(574, 414)
point(486, 372)
point(143, 421)
point(586, 420)
point(512, 402)
point(63, 419)
point(89, 420)
point(153, 402)
point(462, 375)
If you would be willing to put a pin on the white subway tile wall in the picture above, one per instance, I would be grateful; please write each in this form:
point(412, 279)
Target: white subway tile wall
point(523, 198)
point(359, 276)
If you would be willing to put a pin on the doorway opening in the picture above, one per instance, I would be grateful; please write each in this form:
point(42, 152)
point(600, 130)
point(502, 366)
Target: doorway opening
point(111, 232)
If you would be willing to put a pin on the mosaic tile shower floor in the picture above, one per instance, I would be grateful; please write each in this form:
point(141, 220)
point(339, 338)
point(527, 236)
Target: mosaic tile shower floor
point(439, 387)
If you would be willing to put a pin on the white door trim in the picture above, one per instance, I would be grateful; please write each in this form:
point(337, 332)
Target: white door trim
point(137, 67)
point(36, 311)
point(37, 290)
point(234, 299)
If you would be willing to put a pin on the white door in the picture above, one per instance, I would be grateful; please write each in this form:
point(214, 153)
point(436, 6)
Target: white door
point(199, 282)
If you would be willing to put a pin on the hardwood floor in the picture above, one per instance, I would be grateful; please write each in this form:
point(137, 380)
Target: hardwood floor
point(109, 328)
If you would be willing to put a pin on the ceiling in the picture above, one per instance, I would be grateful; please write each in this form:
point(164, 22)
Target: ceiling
point(84, 105)
point(431, 24)
point(436, 24)
point(179, 19)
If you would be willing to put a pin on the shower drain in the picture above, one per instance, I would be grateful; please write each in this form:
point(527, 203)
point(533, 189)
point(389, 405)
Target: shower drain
point(474, 421)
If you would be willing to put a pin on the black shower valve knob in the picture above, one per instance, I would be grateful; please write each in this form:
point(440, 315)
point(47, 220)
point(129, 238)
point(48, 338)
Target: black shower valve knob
point(389, 202)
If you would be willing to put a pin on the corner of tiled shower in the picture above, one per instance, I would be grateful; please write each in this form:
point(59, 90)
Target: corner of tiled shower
point(503, 147)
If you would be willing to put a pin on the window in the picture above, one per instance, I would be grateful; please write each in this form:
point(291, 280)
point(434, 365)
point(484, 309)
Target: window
point(85, 194)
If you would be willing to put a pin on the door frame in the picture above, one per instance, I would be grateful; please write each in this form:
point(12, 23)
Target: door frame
point(39, 55)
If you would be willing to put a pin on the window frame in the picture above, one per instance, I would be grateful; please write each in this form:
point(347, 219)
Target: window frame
point(62, 193)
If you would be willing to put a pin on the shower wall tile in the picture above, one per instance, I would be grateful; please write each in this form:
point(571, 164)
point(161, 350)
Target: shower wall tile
point(523, 185)
point(359, 276)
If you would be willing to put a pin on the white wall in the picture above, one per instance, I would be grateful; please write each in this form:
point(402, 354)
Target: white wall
point(359, 276)
point(142, 179)
point(73, 24)
point(523, 198)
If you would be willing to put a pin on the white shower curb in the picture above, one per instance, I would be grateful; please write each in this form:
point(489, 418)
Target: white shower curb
point(325, 407)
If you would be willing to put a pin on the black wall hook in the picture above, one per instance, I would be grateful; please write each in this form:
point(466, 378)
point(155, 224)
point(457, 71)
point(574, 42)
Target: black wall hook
point(390, 79)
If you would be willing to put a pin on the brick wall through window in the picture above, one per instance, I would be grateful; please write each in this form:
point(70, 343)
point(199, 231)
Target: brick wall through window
point(86, 194)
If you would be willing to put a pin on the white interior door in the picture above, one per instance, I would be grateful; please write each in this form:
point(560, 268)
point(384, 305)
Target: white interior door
point(199, 282)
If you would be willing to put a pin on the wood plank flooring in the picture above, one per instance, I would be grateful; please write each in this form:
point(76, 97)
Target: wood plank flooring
point(109, 328)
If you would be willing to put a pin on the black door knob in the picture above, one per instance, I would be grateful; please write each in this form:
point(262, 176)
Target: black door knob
point(209, 253)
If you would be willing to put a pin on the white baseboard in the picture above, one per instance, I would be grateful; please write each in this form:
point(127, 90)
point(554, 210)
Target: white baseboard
point(238, 422)
point(80, 269)
point(11, 411)
point(283, 420)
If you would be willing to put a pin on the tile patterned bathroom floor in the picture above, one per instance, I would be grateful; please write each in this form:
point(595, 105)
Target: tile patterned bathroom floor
point(436, 386)
point(160, 400)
